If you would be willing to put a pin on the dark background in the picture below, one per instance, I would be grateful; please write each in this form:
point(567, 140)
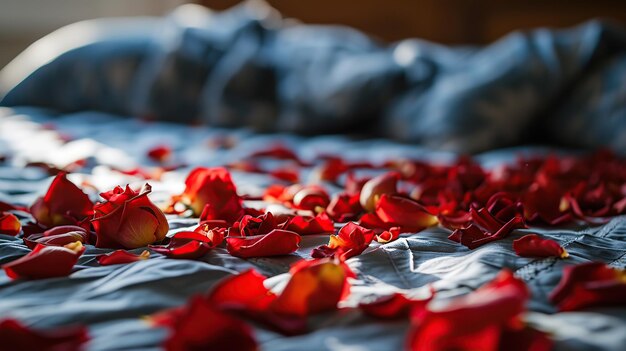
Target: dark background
point(444, 21)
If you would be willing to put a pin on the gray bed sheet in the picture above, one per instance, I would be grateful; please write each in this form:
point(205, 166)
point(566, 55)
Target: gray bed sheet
point(111, 300)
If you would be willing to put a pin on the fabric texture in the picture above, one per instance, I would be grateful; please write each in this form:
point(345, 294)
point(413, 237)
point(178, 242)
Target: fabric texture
point(111, 299)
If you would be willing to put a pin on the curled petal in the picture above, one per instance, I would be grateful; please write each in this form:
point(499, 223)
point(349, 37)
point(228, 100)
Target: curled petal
point(393, 307)
point(276, 243)
point(388, 235)
point(315, 286)
point(200, 326)
point(306, 225)
point(344, 207)
point(589, 285)
point(473, 237)
point(532, 245)
point(45, 262)
point(190, 250)
point(63, 203)
point(9, 224)
point(121, 257)
point(60, 239)
point(352, 239)
point(311, 198)
point(405, 213)
point(16, 336)
point(475, 321)
point(376, 187)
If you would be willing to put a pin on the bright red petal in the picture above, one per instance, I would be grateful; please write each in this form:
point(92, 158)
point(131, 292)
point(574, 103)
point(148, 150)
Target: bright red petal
point(405, 213)
point(9, 224)
point(276, 243)
point(392, 307)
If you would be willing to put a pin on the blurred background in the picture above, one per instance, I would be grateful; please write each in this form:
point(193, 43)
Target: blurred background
point(444, 21)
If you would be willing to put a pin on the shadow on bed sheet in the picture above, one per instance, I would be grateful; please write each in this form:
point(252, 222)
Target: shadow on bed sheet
point(249, 67)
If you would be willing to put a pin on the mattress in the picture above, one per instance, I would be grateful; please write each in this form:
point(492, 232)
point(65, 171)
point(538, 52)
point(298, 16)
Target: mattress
point(111, 301)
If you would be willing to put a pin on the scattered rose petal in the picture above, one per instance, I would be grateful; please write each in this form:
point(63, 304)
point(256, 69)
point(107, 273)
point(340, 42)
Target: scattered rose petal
point(15, 336)
point(532, 245)
point(64, 203)
point(45, 262)
point(9, 224)
point(393, 307)
point(121, 257)
point(590, 284)
point(275, 243)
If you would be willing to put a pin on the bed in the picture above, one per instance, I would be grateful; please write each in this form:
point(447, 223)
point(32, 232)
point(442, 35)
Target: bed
point(49, 124)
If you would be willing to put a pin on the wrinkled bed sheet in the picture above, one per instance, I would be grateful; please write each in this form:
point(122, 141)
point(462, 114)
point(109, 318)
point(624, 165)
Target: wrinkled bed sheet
point(111, 299)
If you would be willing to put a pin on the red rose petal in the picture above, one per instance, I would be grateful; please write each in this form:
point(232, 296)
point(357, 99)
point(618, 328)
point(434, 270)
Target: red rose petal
point(64, 203)
point(306, 225)
point(16, 336)
point(121, 257)
point(315, 286)
point(392, 307)
point(352, 239)
point(475, 321)
point(405, 213)
point(9, 224)
point(45, 262)
point(344, 207)
point(160, 153)
point(532, 245)
point(190, 250)
point(275, 243)
point(589, 285)
point(200, 326)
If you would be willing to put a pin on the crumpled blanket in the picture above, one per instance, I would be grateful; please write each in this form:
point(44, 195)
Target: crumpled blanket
point(249, 67)
point(111, 299)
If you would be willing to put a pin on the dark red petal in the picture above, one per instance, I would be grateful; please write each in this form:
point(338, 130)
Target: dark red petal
point(473, 321)
point(63, 203)
point(344, 207)
point(275, 243)
point(60, 239)
point(200, 326)
point(121, 257)
point(532, 245)
point(160, 153)
point(9, 224)
point(392, 307)
point(16, 336)
point(473, 237)
point(44, 262)
point(190, 250)
point(588, 285)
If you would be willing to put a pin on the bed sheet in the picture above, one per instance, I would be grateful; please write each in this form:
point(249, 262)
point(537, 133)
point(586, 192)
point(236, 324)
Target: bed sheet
point(111, 299)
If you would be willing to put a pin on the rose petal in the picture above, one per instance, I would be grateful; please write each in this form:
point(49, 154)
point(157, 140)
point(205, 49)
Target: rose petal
point(352, 239)
point(63, 203)
point(160, 153)
point(532, 245)
point(200, 326)
point(190, 250)
point(315, 286)
point(404, 213)
point(376, 187)
point(16, 336)
point(306, 225)
point(392, 307)
point(45, 262)
point(275, 243)
point(589, 285)
point(9, 224)
point(121, 257)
